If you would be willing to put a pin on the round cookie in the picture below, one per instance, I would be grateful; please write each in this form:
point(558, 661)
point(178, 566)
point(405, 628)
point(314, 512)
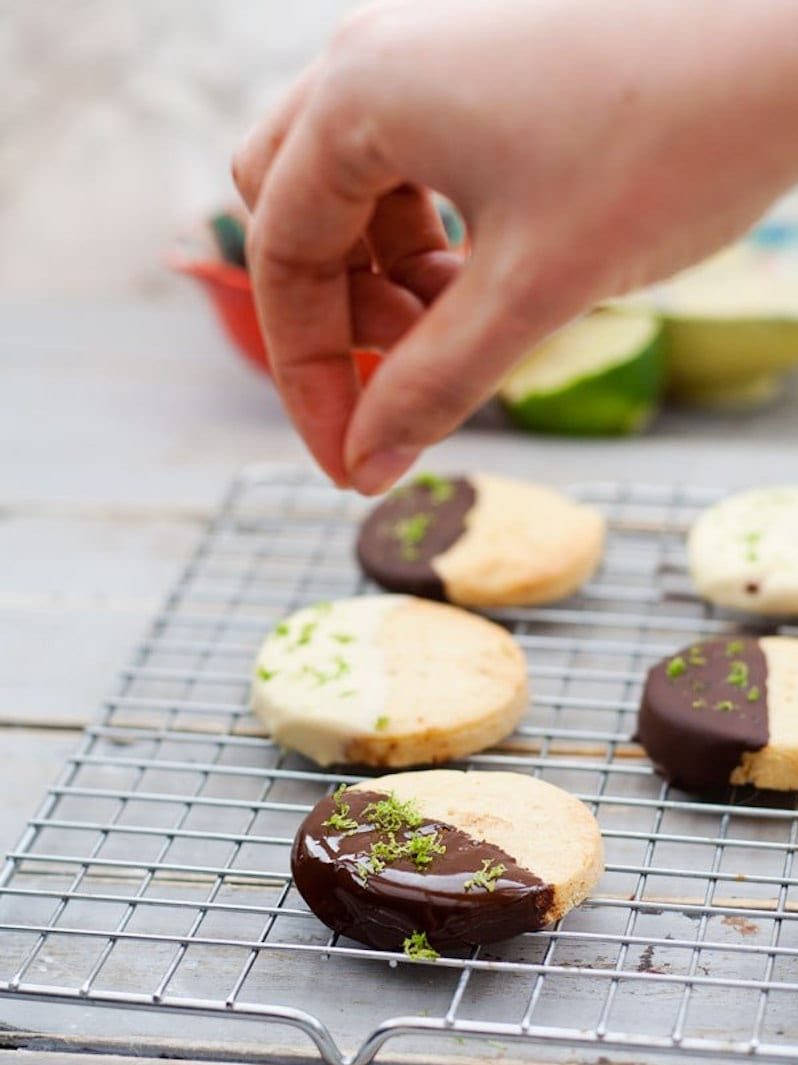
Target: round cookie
point(725, 711)
point(388, 680)
point(445, 858)
point(480, 541)
point(743, 552)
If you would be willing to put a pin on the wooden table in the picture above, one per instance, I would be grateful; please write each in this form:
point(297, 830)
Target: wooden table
point(120, 427)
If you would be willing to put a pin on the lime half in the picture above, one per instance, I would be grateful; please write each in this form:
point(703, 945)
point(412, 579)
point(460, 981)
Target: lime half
point(602, 374)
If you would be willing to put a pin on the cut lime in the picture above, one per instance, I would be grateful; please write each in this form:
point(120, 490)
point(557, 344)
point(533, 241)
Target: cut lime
point(602, 374)
point(731, 327)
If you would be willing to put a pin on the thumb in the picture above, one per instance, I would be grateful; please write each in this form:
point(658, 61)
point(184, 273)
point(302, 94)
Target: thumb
point(449, 363)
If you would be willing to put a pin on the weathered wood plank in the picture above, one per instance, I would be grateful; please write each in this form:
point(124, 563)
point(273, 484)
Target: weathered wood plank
point(31, 759)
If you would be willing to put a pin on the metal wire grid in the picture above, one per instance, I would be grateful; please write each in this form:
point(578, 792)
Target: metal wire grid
point(155, 875)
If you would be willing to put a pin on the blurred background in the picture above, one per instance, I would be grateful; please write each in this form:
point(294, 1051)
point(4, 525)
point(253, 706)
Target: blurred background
point(118, 126)
point(118, 120)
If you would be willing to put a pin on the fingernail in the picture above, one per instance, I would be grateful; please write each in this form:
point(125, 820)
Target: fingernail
point(377, 472)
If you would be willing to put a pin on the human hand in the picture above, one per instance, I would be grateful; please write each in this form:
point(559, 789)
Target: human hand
point(592, 146)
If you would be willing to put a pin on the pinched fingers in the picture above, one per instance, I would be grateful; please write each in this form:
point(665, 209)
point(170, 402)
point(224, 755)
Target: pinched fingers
point(315, 206)
point(451, 361)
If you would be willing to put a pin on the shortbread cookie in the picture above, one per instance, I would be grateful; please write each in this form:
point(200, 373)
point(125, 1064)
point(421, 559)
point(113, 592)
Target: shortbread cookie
point(725, 712)
point(388, 680)
point(743, 551)
point(480, 541)
point(445, 858)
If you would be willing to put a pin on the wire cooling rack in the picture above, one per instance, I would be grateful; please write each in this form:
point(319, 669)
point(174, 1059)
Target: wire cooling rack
point(156, 874)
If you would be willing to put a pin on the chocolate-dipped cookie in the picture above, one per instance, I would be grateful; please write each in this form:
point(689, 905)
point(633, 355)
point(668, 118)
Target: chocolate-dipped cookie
point(445, 858)
point(743, 552)
point(724, 711)
point(388, 680)
point(480, 541)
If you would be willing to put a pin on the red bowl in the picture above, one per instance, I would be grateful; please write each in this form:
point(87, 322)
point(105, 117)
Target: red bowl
point(230, 292)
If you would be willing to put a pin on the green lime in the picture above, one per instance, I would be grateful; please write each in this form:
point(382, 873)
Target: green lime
point(602, 374)
point(730, 327)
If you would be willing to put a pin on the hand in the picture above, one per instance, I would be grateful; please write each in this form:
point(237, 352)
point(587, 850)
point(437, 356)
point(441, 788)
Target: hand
point(592, 146)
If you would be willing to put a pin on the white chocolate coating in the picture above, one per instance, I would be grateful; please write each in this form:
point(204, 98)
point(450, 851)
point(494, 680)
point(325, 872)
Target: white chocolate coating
point(743, 552)
point(327, 675)
point(388, 680)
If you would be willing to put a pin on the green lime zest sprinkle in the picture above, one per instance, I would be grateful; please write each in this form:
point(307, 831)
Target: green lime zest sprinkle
point(751, 541)
point(282, 629)
point(676, 667)
point(306, 633)
point(339, 819)
point(324, 606)
point(738, 674)
point(382, 723)
point(725, 705)
point(696, 655)
point(422, 848)
point(343, 637)
point(734, 647)
point(416, 947)
point(486, 877)
point(440, 488)
point(385, 851)
point(752, 694)
point(392, 815)
point(266, 674)
point(410, 532)
point(342, 667)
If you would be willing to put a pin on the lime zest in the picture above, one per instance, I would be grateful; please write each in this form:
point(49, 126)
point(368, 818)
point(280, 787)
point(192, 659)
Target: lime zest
point(441, 489)
point(339, 819)
point(676, 667)
point(410, 532)
point(487, 876)
point(738, 674)
point(416, 946)
point(391, 814)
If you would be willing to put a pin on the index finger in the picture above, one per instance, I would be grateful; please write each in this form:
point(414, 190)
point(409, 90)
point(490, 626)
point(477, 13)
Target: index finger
point(314, 205)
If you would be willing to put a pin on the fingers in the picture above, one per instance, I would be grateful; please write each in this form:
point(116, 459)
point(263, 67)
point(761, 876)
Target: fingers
point(381, 312)
point(256, 154)
point(316, 203)
point(447, 366)
point(409, 244)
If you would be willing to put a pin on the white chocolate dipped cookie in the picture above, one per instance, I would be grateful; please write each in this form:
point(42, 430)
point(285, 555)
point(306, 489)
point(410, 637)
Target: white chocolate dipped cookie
point(388, 681)
point(743, 551)
point(440, 858)
point(481, 541)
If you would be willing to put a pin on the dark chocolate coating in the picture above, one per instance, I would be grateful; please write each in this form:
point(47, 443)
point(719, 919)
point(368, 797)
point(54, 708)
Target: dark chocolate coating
point(402, 899)
point(685, 725)
point(380, 551)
